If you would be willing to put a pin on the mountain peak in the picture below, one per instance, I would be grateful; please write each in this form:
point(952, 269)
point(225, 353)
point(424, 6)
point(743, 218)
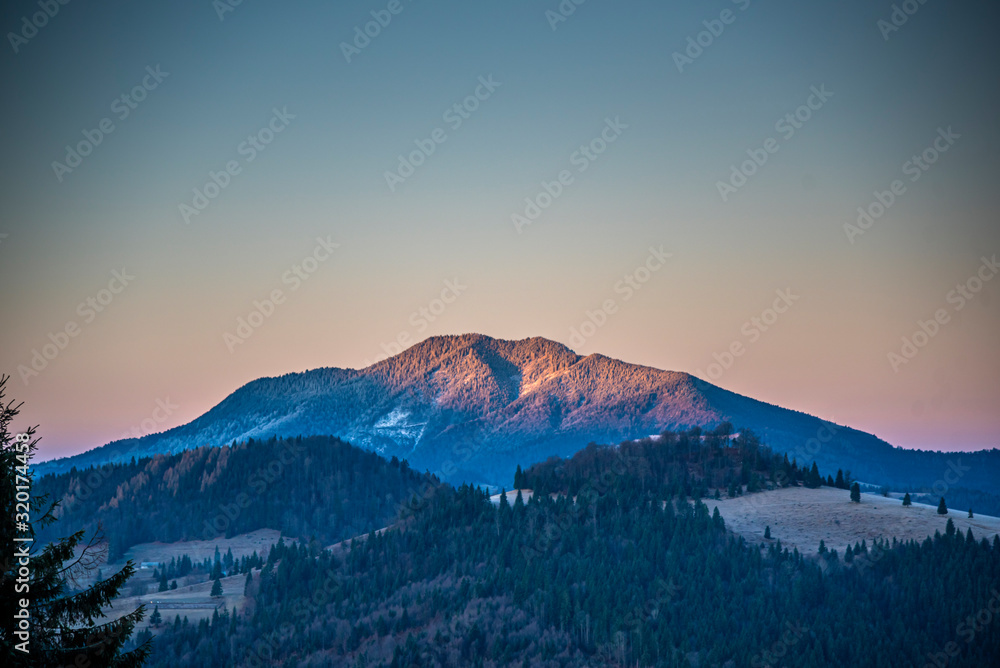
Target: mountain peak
point(482, 405)
point(536, 346)
point(467, 355)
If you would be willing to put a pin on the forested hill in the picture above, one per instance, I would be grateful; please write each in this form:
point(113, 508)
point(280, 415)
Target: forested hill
point(316, 486)
point(628, 575)
point(693, 463)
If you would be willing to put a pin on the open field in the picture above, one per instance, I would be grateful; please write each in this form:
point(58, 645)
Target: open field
point(259, 541)
point(194, 601)
point(526, 495)
point(243, 545)
point(801, 517)
point(192, 598)
point(339, 549)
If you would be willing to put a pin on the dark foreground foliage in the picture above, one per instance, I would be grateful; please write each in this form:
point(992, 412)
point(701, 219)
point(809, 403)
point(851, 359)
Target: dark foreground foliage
point(47, 621)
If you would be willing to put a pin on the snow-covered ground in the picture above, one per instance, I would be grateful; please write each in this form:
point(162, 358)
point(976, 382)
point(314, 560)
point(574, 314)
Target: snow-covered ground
point(801, 517)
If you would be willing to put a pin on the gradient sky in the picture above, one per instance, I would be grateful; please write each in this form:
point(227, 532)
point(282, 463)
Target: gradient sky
point(162, 338)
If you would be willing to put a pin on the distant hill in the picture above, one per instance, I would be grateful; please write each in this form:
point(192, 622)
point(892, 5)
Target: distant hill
point(472, 407)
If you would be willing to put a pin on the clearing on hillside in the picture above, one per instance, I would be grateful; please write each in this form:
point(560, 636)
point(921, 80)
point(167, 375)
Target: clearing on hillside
point(801, 517)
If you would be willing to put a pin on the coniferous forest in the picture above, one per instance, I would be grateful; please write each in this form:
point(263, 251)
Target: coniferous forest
point(316, 486)
point(612, 561)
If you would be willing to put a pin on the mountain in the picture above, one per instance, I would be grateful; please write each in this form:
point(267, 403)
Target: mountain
point(472, 407)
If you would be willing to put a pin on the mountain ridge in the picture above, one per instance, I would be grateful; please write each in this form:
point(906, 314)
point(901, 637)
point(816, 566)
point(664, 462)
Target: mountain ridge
point(473, 407)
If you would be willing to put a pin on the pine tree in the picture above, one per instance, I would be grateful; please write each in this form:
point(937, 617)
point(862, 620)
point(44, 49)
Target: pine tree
point(856, 493)
point(173, 585)
point(518, 502)
point(163, 582)
point(942, 508)
point(970, 513)
point(155, 618)
point(216, 588)
point(906, 500)
point(767, 532)
point(63, 630)
point(839, 482)
point(813, 478)
point(518, 478)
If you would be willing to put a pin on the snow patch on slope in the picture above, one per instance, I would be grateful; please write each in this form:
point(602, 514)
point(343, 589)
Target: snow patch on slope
point(395, 418)
point(397, 426)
